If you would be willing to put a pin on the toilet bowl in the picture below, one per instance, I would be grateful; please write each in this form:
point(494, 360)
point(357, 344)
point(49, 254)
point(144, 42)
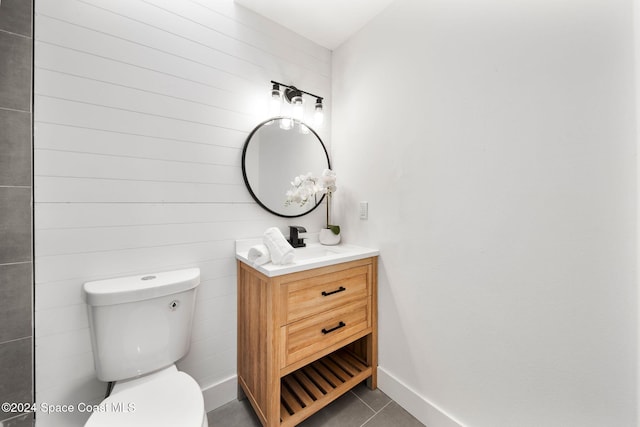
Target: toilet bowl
point(140, 326)
point(165, 398)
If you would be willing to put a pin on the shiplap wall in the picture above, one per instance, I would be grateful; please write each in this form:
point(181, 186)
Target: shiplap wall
point(141, 111)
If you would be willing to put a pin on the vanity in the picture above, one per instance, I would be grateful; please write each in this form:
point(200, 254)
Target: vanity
point(307, 331)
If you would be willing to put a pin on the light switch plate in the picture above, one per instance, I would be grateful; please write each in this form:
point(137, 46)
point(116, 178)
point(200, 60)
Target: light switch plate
point(364, 210)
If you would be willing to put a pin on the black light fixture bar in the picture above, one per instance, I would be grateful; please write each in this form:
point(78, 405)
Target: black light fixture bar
point(295, 88)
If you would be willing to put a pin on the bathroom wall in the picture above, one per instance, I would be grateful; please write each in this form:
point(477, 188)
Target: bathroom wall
point(16, 282)
point(636, 28)
point(141, 112)
point(495, 142)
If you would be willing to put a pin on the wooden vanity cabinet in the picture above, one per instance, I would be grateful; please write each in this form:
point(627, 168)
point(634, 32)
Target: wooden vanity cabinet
point(305, 338)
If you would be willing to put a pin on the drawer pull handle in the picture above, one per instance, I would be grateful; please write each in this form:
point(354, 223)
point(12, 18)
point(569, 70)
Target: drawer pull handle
point(340, 289)
point(340, 325)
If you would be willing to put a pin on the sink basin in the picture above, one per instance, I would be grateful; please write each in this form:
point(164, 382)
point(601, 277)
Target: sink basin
point(312, 251)
point(314, 255)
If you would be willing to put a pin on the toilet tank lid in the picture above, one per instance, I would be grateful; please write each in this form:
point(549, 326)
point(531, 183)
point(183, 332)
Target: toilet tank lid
point(137, 288)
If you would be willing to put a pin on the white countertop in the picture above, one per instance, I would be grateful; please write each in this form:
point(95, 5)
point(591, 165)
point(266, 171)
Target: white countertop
point(314, 255)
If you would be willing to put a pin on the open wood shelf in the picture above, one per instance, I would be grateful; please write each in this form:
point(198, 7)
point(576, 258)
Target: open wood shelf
point(307, 390)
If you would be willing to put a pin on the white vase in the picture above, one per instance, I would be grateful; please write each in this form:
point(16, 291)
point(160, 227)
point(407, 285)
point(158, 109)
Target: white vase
point(327, 237)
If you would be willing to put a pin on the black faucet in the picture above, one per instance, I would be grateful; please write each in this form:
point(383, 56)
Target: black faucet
point(295, 241)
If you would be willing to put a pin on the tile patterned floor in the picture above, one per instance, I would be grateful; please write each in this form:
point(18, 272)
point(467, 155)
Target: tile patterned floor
point(360, 407)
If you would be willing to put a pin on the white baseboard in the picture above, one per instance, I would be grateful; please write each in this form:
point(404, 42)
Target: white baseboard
point(220, 393)
point(426, 412)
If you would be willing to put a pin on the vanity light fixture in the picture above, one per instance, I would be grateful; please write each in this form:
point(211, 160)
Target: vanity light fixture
point(293, 96)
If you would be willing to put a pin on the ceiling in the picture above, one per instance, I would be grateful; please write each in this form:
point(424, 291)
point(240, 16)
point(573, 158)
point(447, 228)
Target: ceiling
point(327, 22)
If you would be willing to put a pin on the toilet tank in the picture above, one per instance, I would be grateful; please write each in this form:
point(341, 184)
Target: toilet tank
point(140, 324)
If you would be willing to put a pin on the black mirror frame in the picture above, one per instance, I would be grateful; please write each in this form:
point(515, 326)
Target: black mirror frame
point(244, 171)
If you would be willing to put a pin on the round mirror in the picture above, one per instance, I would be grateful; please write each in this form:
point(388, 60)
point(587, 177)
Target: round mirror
point(275, 152)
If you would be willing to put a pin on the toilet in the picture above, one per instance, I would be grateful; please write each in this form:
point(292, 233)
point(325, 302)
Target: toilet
point(140, 326)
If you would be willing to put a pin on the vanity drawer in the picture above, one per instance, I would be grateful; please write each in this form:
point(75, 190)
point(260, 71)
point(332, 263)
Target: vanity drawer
point(314, 295)
point(308, 336)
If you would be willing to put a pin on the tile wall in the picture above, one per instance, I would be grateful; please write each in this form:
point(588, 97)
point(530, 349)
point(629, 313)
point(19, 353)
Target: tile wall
point(16, 279)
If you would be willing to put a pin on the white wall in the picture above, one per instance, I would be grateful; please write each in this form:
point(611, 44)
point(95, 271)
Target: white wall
point(141, 112)
point(495, 143)
point(636, 27)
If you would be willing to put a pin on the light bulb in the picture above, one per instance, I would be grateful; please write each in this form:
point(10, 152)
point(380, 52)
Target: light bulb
point(318, 115)
point(298, 108)
point(286, 123)
point(276, 101)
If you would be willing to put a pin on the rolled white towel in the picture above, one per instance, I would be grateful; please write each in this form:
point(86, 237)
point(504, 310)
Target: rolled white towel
point(281, 251)
point(259, 254)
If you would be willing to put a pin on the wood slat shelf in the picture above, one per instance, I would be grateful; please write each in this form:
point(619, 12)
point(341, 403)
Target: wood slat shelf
point(305, 391)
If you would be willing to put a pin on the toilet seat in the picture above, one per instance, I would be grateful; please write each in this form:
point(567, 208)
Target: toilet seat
point(171, 399)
